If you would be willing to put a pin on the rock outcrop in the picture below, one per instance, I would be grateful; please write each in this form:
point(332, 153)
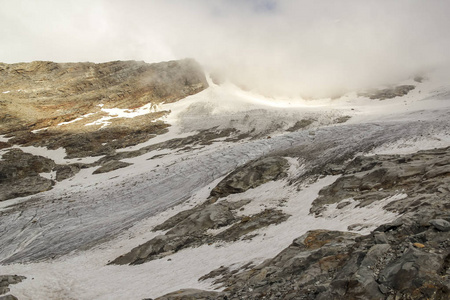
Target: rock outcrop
point(408, 258)
point(389, 93)
point(371, 178)
point(5, 281)
point(19, 174)
point(190, 227)
point(251, 175)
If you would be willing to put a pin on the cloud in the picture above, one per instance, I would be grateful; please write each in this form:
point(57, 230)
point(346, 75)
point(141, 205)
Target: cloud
point(287, 47)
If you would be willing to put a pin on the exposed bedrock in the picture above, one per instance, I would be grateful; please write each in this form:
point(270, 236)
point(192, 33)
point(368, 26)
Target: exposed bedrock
point(371, 178)
point(189, 228)
point(408, 258)
point(20, 174)
point(251, 175)
point(57, 105)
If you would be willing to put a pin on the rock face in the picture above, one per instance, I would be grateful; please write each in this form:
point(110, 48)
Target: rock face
point(43, 94)
point(19, 174)
point(5, 281)
point(251, 175)
point(56, 105)
point(66, 100)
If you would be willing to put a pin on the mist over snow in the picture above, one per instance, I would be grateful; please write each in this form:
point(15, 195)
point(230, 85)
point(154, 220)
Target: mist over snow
point(288, 48)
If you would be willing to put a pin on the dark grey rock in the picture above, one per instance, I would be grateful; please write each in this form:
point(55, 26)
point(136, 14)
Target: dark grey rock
point(440, 224)
point(5, 281)
point(111, 166)
point(302, 124)
point(369, 179)
point(64, 172)
point(8, 297)
point(19, 174)
point(251, 175)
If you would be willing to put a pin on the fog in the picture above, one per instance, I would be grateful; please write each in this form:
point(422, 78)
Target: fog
point(288, 48)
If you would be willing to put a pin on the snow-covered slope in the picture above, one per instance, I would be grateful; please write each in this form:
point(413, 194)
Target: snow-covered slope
point(63, 239)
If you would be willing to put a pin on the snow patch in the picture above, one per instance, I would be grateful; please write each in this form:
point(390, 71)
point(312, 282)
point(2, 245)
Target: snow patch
point(76, 120)
point(3, 138)
point(371, 215)
point(114, 113)
point(49, 175)
point(38, 130)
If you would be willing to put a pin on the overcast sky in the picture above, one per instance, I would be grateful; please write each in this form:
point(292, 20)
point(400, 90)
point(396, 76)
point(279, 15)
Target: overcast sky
point(288, 47)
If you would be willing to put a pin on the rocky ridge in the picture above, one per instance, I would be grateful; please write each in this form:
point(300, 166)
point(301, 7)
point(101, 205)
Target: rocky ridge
point(56, 105)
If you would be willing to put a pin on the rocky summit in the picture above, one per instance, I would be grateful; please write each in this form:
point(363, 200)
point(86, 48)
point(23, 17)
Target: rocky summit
point(129, 180)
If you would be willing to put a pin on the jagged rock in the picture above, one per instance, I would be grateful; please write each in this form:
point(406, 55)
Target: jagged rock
point(413, 272)
point(185, 230)
point(369, 179)
point(25, 187)
point(251, 175)
point(111, 166)
point(19, 174)
point(342, 119)
point(16, 164)
point(64, 172)
point(5, 281)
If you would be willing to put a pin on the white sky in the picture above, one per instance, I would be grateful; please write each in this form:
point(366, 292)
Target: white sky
point(287, 47)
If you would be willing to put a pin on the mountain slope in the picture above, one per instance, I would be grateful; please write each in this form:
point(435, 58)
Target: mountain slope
point(221, 194)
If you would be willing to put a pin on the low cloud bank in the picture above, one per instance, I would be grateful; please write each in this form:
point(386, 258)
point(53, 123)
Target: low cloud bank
point(289, 48)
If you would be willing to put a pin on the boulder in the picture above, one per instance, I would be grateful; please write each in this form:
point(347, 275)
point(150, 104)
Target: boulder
point(440, 224)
